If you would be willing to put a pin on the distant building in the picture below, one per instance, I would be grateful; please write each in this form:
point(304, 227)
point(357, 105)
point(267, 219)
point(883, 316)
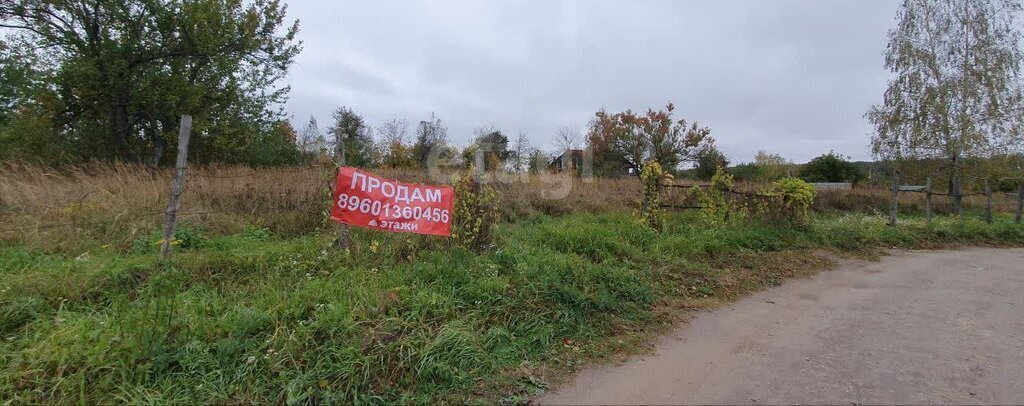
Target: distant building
point(832, 185)
point(571, 160)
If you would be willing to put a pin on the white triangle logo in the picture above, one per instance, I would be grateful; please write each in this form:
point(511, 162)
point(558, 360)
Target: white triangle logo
point(373, 223)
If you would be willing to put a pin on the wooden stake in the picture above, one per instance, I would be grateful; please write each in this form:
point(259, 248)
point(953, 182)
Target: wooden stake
point(177, 187)
point(1020, 202)
point(928, 199)
point(988, 202)
point(895, 196)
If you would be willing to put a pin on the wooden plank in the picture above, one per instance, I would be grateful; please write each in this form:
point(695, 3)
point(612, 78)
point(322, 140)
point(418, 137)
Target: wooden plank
point(1020, 202)
point(928, 199)
point(177, 187)
point(895, 196)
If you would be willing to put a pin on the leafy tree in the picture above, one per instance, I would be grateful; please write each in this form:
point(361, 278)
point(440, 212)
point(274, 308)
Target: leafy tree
point(28, 104)
point(395, 153)
point(766, 159)
point(955, 93)
point(468, 155)
point(747, 172)
point(274, 148)
point(24, 75)
point(356, 137)
point(629, 140)
point(521, 152)
point(431, 138)
point(124, 71)
point(708, 162)
point(830, 167)
point(494, 145)
point(539, 161)
point(771, 167)
point(312, 141)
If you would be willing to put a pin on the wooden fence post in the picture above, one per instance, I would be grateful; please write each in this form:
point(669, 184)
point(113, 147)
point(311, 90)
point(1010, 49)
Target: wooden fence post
point(988, 202)
point(895, 195)
point(1020, 201)
point(177, 186)
point(339, 153)
point(928, 199)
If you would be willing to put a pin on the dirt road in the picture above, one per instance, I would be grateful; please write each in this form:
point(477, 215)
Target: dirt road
point(917, 327)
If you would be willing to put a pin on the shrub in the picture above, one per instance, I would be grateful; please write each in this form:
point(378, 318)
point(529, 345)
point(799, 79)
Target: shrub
point(708, 163)
point(830, 167)
point(715, 208)
point(795, 197)
point(185, 238)
point(651, 213)
point(475, 213)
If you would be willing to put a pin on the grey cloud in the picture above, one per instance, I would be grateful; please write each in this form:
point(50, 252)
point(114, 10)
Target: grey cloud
point(792, 77)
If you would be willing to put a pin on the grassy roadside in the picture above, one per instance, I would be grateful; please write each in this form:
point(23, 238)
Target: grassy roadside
point(256, 318)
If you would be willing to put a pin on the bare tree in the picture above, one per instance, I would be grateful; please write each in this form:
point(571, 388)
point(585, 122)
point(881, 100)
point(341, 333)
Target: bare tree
point(312, 140)
point(521, 153)
point(956, 87)
point(393, 144)
point(567, 139)
point(394, 130)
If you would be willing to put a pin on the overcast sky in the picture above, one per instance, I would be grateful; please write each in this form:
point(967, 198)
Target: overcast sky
point(790, 77)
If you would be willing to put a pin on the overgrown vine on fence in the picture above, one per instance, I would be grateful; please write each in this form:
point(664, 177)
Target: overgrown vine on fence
point(475, 212)
point(795, 196)
point(651, 213)
point(715, 207)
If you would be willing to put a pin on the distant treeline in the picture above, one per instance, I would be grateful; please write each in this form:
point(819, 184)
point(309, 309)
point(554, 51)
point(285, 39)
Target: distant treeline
point(1005, 171)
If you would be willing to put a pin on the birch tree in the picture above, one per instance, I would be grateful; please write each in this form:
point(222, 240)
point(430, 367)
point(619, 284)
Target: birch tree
point(521, 153)
point(955, 92)
point(312, 140)
point(396, 153)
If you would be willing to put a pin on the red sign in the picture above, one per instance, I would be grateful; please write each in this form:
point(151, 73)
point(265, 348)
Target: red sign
point(367, 200)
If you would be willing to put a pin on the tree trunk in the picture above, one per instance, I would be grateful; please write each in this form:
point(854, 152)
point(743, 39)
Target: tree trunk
point(1020, 202)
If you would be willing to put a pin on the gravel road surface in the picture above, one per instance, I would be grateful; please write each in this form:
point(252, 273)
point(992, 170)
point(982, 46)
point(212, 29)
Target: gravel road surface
point(919, 327)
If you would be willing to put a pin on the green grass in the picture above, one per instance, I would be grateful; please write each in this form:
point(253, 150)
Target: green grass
point(257, 318)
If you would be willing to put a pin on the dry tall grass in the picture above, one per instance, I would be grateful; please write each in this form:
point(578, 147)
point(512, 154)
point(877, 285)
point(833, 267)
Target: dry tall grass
point(75, 208)
point(68, 209)
point(877, 200)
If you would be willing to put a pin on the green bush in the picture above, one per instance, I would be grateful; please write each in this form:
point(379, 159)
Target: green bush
point(185, 237)
point(794, 198)
point(474, 214)
point(830, 167)
point(650, 209)
point(715, 207)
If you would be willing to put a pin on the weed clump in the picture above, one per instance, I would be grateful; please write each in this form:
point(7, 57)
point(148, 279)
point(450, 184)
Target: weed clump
point(651, 212)
point(794, 198)
point(714, 202)
point(475, 213)
point(185, 237)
